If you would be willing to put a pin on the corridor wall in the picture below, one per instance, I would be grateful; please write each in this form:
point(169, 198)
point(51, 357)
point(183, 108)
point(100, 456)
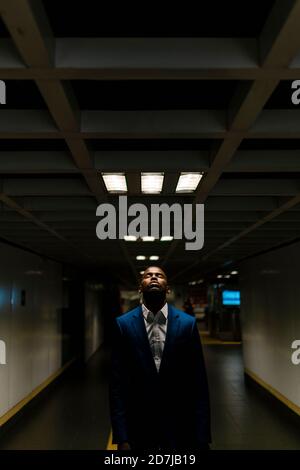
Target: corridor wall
point(270, 316)
point(94, 320)
point(30, 322)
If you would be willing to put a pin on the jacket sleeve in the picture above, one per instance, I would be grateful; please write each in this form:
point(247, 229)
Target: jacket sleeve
point(117, 388)
point(200, 383)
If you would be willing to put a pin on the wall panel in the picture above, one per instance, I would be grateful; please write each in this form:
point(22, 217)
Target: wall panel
point(270, 313)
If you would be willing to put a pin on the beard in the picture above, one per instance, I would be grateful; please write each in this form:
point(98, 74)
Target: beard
point(154, 296)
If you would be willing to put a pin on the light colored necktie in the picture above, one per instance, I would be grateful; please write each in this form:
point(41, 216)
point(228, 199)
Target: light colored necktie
point(155, 339)
point(158, 318)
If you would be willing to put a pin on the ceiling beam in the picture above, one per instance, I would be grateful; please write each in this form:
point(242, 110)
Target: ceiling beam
point(9, 202)
point(32, 36)
point(250, 98)
point(244, 161)
point(158, 124)
point(139, 58)
point(267, 218)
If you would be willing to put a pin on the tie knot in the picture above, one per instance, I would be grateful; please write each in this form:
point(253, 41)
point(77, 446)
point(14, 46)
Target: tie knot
point(158, 318)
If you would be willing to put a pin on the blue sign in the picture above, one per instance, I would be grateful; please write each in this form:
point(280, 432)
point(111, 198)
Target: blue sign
point(231, 297)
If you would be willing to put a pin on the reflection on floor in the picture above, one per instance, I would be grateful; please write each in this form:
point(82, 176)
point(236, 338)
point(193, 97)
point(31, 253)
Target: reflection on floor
point(206, 339)
point(74, 413)
point(242, 417)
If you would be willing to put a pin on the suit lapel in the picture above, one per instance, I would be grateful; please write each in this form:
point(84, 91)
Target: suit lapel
point(172, 329)
point(140, 332)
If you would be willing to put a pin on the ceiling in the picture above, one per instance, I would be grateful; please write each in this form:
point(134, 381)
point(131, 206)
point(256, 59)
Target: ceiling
point(90, 93)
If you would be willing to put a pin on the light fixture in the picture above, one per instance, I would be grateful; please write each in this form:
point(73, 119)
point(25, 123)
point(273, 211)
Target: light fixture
point(141, 258)
point(115, 182)
point(234, 272)
point(219, 276)
point(152, 183)
point(188, 182)
point(148, 239)
point(142, 272)
point(166, 238)
point(130, 238)
point(154, 258)
point(227, 276)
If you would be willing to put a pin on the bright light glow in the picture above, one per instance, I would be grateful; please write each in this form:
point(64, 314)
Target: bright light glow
point(130, 238)
point(188, 182)
point(234, 272)
point(152, 183)
point(227, 276)
point(219, 276)
point(141, 258)
point(154, 258)
point(142, 272)
point(148, 239)
point(115, 182)
point(166, 238)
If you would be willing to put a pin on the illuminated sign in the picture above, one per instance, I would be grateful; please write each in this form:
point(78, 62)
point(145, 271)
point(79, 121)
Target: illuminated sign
point(231, 297)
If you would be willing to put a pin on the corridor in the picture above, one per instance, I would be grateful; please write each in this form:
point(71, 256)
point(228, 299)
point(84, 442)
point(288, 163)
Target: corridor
point(75, 415)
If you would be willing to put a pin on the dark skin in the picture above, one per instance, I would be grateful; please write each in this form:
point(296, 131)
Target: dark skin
point(154, 287)
point(154, 282)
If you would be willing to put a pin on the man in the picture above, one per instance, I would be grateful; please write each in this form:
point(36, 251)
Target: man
point(158, 388)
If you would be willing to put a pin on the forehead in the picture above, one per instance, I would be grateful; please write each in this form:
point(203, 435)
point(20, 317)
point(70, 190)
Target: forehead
point(154, 270)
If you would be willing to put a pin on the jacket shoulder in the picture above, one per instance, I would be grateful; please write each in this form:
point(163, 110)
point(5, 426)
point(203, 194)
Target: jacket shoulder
point(185, 317)
point(125, 317)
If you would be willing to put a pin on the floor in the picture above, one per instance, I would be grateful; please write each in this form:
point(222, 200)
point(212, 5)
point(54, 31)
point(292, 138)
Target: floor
point(243, 417)
point(74, 413)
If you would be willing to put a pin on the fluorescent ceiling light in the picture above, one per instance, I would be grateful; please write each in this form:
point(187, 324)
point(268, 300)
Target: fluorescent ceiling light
point(130, 238)
point(166, 238)
point(142, 272)
point(154, 258)
point(234, 272)
point(140, 257)
point(219, 276)
point(115, 182)
point(148, 239)
point(227, 276)
point(152, 183)
point(188, 182)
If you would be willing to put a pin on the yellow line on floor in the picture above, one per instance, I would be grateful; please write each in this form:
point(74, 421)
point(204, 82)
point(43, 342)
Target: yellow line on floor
point(110, 445)
point(206, 339)
point(10, 413)
point(273, 391)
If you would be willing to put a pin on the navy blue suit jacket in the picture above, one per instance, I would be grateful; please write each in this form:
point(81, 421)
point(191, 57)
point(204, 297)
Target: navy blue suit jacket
point(169, 408)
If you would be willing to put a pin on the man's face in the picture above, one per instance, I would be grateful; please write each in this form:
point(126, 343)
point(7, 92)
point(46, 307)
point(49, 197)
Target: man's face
point(154, 280)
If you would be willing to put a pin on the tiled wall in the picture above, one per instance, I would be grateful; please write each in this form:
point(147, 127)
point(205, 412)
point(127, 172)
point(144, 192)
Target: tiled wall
point(270, 311)
point(30, 308)
point(93, 318)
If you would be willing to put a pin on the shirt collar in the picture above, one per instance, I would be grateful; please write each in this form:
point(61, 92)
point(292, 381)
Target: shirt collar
point(164, 310)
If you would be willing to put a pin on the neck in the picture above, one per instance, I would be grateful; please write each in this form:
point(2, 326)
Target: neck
point(154, 304)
